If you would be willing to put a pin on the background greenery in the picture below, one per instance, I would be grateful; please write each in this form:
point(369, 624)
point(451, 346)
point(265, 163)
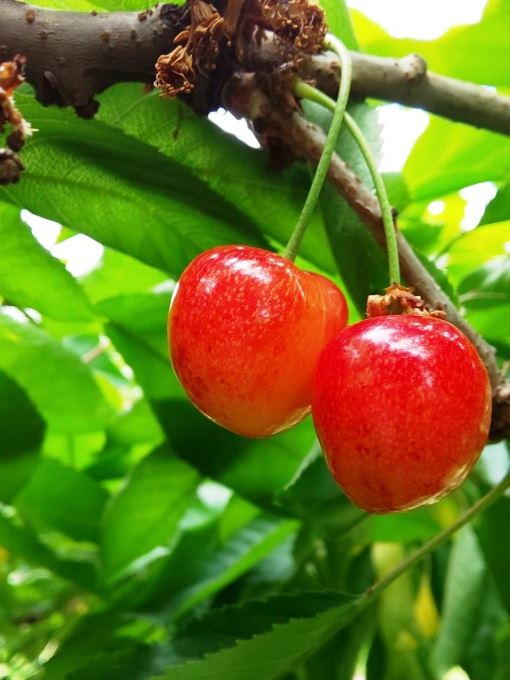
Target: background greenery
point(138, 540)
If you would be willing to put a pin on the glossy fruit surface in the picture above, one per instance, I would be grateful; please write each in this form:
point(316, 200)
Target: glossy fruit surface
point(246, 328)
point(402, 409)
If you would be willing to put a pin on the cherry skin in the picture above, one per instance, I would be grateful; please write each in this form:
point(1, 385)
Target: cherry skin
point(402, 409)
point(246, 328)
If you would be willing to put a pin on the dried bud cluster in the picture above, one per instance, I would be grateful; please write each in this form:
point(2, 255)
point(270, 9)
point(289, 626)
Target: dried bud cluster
point(399, 300)
point(297, 26)
point(176, 72)
point(11, 76)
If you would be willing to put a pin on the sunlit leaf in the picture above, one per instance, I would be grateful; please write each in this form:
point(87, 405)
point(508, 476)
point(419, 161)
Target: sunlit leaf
point(31, 277)
point(61, 499)
point(477, 53)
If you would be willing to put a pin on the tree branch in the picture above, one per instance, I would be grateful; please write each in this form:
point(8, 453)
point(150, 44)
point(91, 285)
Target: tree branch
point(408, 82)
point(73, 56)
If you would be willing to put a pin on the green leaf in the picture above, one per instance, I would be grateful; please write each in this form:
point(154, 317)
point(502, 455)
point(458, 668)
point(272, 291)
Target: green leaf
point(488, 286)
point(256, 640)
point(339, 658)
point(486, 296)
point(493, 525)
point(21, 426)
point(473, 249)
point(59, 384)
point(119, 274)
point(158, 211)
point(143, 316)
point(142, 521)
point(360, 260)
point(404, 527)
point(200, 567)
point(339, 21)
point(259, 640)
point(31, 277)
point(449, 156)
point(21, 433)
point(268, 198)
point(502, 670)
point(93, 633)
point(481, 656)
point(23, 543)
point(76, 5)
point(463, 594)
point(315, 497)
point(136, 426)
point(62, 499)
point(477, 53)
point(497, 210)
point(152, 370)
point(404, 646)
point(440, 276)
point(256, 469)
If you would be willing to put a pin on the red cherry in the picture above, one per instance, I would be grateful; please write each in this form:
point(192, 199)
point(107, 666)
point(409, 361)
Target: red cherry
point(402, 408)
point(246, 328)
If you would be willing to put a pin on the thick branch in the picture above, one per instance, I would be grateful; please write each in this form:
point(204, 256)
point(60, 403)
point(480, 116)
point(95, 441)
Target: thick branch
point(72, 56)
point(408, 82)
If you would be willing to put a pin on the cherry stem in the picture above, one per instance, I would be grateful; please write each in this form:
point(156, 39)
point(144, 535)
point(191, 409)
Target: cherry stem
point(339, 107)
point(434, 542)
point(304, 90)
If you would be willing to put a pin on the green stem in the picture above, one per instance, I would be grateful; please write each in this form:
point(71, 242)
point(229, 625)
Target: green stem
point(321, 172)
point(431, 545)
point(304, 90)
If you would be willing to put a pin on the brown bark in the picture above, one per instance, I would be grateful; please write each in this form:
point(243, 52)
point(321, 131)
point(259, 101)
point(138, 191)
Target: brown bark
point(73, 56)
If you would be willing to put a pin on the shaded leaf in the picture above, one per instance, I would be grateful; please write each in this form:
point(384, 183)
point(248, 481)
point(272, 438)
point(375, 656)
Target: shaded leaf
point(22, 542)
point(255, 640)
point(255, 469)
point(158, 211)
point(21, 426)
point(463, 594)
point(268, 198)
point(259, 640)
point(201, 567)
point(493, 525)
point(360, 260)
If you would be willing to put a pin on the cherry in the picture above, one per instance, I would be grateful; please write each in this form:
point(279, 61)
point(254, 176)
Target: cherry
point(402, 408)
point(246, 328)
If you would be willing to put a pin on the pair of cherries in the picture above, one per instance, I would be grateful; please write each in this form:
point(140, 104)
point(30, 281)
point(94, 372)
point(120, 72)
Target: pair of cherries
point(401, 403)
